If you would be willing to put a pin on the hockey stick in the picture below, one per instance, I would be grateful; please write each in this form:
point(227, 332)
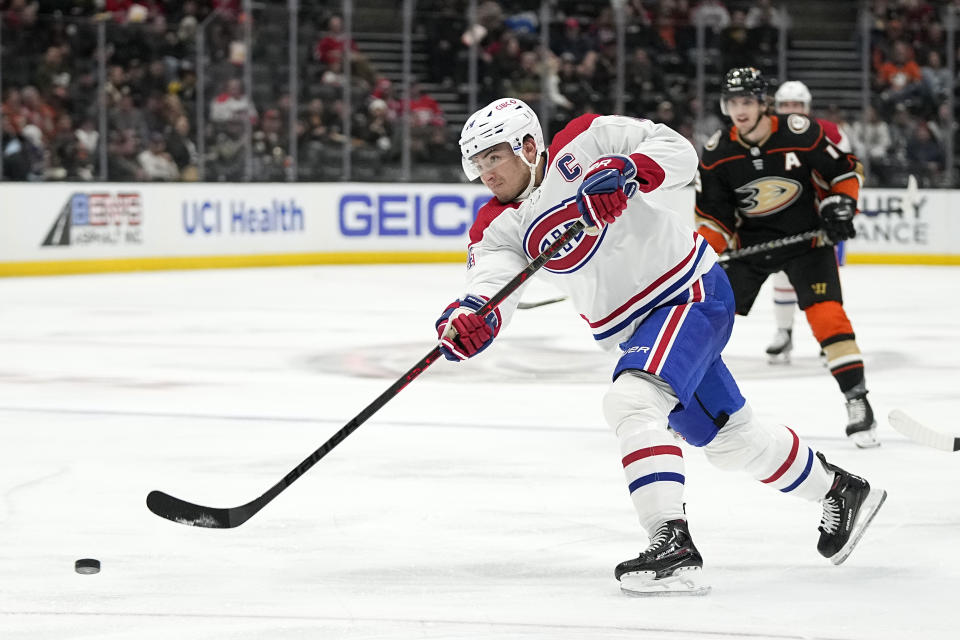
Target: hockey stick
point(540, 303)
point(177, 510)
point(921, 433)
point(771, 245)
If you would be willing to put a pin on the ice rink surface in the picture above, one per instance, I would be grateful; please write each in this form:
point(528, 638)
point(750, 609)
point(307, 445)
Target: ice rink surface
point(485, 501)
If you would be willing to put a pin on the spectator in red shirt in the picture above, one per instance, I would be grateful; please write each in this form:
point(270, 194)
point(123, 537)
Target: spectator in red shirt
point(329, 50)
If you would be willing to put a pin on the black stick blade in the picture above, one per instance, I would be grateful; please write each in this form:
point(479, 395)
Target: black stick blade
point(194, 515)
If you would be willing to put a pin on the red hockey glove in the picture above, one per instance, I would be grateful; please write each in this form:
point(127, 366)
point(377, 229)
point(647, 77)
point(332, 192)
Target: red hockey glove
point(603, 195)
point(462, 333)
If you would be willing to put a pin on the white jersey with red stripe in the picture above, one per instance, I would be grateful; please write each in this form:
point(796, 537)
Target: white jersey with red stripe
point(648, 256)
point(835, 135)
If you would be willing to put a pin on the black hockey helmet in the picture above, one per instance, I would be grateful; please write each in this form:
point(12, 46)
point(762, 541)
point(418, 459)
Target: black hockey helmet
point(742, 81)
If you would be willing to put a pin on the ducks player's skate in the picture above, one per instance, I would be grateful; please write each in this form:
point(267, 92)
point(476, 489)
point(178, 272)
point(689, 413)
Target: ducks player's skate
point(671, 565)
point(848, 509)
point(861, 425)
point(780, 347)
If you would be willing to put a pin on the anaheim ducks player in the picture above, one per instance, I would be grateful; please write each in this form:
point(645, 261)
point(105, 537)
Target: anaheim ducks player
point(794, 97)
point(648, 287)
point(757, 183)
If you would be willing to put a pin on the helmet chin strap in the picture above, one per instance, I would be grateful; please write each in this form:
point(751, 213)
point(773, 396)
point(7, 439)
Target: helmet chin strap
point(533, 178)
point(754, 127)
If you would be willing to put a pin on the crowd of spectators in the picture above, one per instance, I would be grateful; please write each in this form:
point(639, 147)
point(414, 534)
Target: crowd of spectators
point(908, 126)
point(51, 110)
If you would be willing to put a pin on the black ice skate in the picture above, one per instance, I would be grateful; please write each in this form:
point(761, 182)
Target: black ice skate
point(861, 425)
point(848, 509)
point(671, 565)
point(780, 347)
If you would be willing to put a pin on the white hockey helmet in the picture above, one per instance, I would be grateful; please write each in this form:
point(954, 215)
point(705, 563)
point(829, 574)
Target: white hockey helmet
point(504, 120)
point(793, 91)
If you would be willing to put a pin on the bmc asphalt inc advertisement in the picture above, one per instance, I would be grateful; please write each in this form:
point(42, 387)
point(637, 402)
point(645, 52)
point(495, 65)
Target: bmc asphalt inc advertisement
point(43, 224)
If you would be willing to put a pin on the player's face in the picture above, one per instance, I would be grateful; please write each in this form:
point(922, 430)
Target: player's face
point(502, 171)
point(745, 111)
point(792, 106)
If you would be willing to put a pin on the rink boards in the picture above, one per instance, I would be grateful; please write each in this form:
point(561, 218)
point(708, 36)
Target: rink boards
point(55, 228)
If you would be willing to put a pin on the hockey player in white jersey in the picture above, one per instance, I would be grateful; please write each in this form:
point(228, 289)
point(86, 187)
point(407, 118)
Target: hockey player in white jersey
point(794, 97)
point(648, 286)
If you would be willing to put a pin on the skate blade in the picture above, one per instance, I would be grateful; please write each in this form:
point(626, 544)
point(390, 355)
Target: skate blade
point(684, 582)
point(868, 510)
point(865, 439)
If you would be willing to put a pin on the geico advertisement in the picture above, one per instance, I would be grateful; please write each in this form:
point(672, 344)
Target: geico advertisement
point(437, 216)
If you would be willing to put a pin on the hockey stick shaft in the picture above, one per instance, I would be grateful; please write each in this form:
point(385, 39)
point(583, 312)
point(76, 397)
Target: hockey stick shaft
point(763, 247)
point(177, 510)
point(540, 303)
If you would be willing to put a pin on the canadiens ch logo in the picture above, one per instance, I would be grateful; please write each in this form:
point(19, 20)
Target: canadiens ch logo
point(550, 226)
point(768, 195)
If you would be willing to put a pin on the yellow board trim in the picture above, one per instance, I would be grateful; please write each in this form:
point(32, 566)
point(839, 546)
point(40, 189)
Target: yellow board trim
point(65, 267)
point(907, 258)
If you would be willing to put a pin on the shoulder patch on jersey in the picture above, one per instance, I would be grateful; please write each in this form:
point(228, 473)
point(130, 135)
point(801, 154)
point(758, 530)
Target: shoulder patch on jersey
point(798, 123)
point(574, 128)
point(713, 140)
point(486, 215)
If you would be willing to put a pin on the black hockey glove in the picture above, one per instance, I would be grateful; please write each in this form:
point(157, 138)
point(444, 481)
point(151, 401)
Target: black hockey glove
point(836, 212)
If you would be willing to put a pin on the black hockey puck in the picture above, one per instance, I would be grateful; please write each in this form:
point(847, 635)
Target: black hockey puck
point(87, 566)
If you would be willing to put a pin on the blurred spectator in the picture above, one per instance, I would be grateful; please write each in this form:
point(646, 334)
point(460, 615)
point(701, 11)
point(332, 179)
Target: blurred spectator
point(503, 57)
point(572, 41)
point(936, 77)
point(232, 105)
point(36, 111)
point(925, 156)
point(67, 156)
point(156, 162)
point(711, 13)
point(313, 126)
point(764, 13)
point(226, 160)
point(270, 148)
point(643, 82)
point(122, 164)
point(735, 44)
point(424, 110)
point(52, 66)
point(23, 155)
point(574, 86)
point(386, 91)
point(899, 79)
point(329, 49)
point(126, 116)
point(706, 123)
point(667, 115)
point(943, 125)
point(380, 130)
point(87, 136)
point(182, 149)
point(874, 140)
point(525, 82)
